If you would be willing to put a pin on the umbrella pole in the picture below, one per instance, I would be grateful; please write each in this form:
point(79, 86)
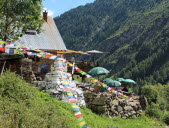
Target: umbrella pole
point(73, 68)
point(93, 61)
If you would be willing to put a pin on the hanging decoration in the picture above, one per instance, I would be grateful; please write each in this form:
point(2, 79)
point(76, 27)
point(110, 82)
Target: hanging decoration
point(70, 95)
point(43, 54)
point(20, 49)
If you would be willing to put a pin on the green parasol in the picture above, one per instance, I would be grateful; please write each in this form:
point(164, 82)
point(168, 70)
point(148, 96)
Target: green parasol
point(112, 83)
point(98, 71)
point(120, 79)
point(129, 81)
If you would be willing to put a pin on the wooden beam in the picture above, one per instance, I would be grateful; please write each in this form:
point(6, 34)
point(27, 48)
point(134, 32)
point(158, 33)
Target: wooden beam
point(3, 68)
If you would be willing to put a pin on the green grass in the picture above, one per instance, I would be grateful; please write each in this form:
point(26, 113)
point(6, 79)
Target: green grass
point(96, 121)
point(77, 78)
point(23, 105)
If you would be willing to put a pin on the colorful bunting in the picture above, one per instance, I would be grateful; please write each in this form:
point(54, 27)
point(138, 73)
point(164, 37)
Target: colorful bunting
point(80, 119)
point(72, 101)
point(66, 83)
point(2, 42)
point(82, 124)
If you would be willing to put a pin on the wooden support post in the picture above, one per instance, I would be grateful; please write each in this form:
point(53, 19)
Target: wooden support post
point(73, 68)
point(3, 67)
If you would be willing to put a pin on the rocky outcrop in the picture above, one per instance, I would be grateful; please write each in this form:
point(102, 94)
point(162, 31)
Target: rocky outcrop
point(110, 105)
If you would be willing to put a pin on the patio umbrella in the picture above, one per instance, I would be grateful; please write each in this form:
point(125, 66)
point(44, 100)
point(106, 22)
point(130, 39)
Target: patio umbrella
point(112, 83)
point(120, 79)
point(85, 53)
point(95, 52)
point(98, 71)
point(129, 81)
point(107, 80)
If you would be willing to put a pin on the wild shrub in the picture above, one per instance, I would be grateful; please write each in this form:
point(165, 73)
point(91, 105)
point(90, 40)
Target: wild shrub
point(150, 92)
point(165, 117)
point(153, 111)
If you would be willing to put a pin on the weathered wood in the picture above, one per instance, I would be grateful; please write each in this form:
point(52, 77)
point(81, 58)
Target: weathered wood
point(3, 68)
point(6, 56)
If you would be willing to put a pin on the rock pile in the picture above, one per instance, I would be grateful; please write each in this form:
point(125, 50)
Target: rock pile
point(54, 84)
point(110, 105)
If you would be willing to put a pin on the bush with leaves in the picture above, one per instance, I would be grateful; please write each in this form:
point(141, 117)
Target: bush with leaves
point(153, 111)
point(150, 92)
point(165, 117)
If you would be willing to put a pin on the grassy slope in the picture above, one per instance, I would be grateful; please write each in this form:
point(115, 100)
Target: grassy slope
point(22, 105)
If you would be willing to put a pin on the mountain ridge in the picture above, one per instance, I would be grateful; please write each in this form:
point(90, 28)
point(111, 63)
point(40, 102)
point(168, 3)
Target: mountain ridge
point(134, 35)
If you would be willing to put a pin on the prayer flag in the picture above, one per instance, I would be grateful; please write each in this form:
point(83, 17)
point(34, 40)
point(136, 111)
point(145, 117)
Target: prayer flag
point(76, 109)
point(70, 94)
point(85, 126)
point(2, 42)
point(78, 116)
point(68, 89)
point(77, 113)
point(82, 124)
point(80, 119)
point(75, 106)
point(72, 101)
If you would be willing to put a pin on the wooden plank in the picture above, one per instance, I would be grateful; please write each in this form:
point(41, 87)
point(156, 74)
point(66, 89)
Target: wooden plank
point(5, 56)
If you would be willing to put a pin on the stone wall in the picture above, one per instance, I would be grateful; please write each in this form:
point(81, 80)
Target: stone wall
point(38, 66)
point(26, 70)
point(110, 105)
point(101, 103)
point(54, 84)
point(32, 69)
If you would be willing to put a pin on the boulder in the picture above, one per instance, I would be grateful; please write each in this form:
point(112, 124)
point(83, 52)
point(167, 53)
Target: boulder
point(115, 103)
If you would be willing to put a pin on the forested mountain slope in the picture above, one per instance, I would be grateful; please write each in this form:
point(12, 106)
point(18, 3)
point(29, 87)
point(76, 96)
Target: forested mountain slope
point(133, 33)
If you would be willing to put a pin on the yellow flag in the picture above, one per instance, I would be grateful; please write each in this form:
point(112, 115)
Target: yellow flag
point(2, 42)
point(66, 83)
point(39, 55)
point(82, 124)
point(69, 94)
point(83, 73)
point(75, 106)
point(104, 85)
point(95, 80)
point(16, 51)
point(70, 64)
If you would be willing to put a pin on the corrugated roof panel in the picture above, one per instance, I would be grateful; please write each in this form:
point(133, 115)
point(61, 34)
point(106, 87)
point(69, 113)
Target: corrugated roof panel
point(48, 39)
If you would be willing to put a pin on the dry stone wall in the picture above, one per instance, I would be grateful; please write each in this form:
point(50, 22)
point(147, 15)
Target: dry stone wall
point(54, 84)
point(110, 105)
point(26, 70)
point(101, 103)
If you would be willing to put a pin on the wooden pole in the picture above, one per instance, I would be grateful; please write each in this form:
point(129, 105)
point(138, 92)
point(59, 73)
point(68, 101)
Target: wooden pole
point(73, 68)
point(3, 67)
